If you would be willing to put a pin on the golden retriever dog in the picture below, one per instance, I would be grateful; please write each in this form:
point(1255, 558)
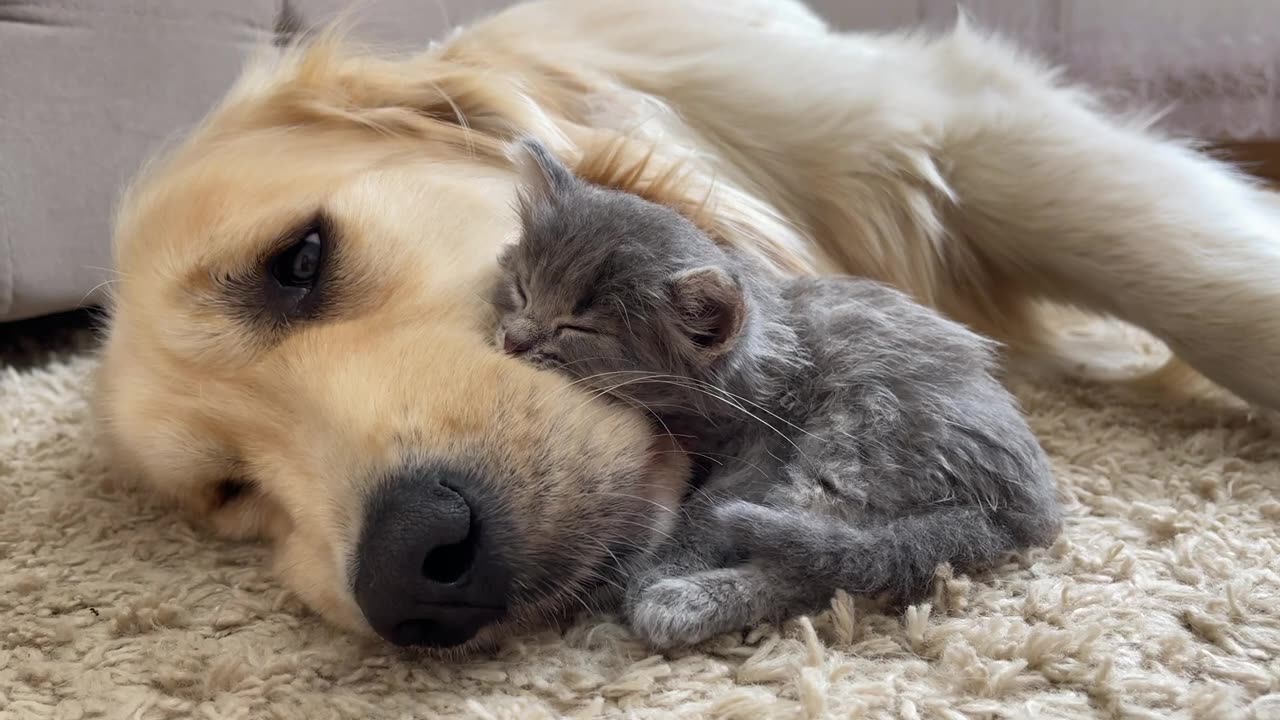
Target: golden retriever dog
point(300, 351)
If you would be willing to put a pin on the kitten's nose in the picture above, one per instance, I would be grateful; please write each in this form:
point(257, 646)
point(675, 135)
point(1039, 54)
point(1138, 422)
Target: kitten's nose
point(513, 345)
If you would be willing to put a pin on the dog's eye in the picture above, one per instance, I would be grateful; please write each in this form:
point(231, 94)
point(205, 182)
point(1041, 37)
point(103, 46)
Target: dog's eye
point(299, 264)
point(229, 491)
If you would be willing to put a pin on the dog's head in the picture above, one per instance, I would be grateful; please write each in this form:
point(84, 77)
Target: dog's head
point(300, 350)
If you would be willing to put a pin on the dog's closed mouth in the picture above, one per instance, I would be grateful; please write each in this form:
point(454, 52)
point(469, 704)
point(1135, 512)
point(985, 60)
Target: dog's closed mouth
point(435, 634)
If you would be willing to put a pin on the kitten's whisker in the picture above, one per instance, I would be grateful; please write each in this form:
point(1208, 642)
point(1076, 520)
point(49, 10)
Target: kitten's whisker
point(612, 390)
point(569, 543)
point(574, 383)
point(119, 275)
point(654, 503)
point(705, 388)
point(741, 399)
point(678, 381)
point(646, 526)
point(763, 408)
point(637, 404)
point(757, 468)
point(626, 317)
point(105, 283)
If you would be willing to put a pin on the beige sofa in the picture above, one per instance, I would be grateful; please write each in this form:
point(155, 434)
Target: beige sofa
point(88, 88)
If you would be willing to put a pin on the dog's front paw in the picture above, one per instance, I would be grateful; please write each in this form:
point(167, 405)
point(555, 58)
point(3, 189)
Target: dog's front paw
point(674, 612)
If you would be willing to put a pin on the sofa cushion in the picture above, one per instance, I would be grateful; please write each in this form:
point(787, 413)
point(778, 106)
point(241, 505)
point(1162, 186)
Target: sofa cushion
point(90, 88)
point(1214, 65)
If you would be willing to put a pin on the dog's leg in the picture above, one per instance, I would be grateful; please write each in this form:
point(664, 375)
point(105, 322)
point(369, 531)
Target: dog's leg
point(1101, 213)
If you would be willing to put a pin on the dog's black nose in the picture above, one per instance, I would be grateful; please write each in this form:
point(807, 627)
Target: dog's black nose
point(427, 572)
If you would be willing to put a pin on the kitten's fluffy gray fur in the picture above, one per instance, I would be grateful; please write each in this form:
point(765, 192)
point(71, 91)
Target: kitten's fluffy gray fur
point(852, 438)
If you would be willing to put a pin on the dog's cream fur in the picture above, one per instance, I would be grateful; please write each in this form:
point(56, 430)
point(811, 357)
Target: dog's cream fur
point(951, 167)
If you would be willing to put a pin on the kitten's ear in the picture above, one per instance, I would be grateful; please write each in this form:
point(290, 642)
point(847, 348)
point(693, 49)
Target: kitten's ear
point(710, 307)
point(507, 257)
point(542, 176)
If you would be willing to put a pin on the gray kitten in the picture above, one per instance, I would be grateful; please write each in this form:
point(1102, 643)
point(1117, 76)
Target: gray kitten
point(851, 438)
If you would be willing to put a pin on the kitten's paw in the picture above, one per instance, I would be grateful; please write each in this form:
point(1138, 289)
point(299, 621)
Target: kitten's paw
point(674, 612)
point(752, 528)
point(741, 515)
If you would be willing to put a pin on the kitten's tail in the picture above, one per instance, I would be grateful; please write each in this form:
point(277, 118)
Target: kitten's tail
point(898, 556)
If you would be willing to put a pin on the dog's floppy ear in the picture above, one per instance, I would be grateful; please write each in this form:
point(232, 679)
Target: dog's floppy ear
point(710, 309)
point(542, 176)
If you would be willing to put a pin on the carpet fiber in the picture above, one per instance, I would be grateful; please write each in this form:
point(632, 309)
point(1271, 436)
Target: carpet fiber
point(1162, 600)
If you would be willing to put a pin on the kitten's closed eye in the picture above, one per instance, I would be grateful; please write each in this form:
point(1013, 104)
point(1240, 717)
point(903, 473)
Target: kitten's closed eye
point(561, 329)
point(517, 294)
point(584, 303)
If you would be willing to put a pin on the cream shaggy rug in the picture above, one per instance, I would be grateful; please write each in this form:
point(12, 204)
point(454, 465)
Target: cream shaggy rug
point(1162, 600)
